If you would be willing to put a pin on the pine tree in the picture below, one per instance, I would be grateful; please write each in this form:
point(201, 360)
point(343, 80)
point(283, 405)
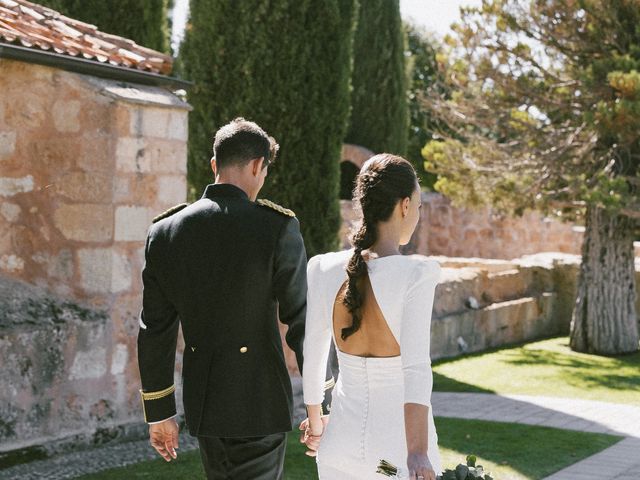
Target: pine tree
point(287, 66)
point(379, 117)
point(546, 115)
point(143, 21)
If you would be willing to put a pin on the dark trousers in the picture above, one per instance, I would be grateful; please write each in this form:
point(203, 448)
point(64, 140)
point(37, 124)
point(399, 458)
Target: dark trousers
point(250, 458)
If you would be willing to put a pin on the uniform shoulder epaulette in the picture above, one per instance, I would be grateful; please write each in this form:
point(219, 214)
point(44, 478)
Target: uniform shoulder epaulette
point(169, 212)
point(276, 207)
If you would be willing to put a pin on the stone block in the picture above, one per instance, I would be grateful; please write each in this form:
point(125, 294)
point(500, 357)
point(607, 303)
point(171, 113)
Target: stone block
point(95, 266)
point(120, 273)
point(132, 155)
point(95, 152)
point(66, 116)
point(121, 189)
point(85, 222)
point(30, 108)
point(85, 186)
point(150, 122)
point(119, 359)
point(10, 211)
point(12, 186)
point(172, 189)
point(90, 364)
point(178, 125)
point(7, 144)
point(167, 156)
point(11, 263)
point(132, 223)
point(60, 266)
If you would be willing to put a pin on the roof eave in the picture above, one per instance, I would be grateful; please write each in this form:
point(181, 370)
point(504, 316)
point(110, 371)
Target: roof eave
point(90, 67)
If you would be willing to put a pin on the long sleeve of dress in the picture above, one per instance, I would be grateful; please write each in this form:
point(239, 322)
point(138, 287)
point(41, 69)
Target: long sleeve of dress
point(317, 340)
point(415, 334)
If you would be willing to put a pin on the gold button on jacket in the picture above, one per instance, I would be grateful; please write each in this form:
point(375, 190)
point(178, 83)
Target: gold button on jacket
point(243, 349)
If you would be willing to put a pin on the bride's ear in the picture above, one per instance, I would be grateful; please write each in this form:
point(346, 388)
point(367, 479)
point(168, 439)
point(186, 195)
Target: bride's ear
point(404, 206)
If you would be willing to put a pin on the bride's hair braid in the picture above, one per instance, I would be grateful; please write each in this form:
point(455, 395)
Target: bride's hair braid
point(383, 181)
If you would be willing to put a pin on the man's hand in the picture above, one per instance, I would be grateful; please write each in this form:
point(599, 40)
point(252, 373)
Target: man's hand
point(312, 438)
point(164, 438)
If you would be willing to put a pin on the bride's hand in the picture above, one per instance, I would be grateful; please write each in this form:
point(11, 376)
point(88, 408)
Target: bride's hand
point(420, 467)
point(312, 434)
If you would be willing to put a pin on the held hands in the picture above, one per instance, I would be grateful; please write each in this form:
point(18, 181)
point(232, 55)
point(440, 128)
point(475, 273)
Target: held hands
point(420, 467)
point(312, 433)
point(164, 438)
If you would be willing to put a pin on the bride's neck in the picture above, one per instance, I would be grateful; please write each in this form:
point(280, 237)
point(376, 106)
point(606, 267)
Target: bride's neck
point(388, 242)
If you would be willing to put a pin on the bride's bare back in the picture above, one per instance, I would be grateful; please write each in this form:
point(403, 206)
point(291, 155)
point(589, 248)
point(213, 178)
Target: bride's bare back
point(374, 337)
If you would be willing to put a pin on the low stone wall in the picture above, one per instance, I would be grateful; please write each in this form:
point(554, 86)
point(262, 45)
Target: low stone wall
point(482, 303)
point(486, 303)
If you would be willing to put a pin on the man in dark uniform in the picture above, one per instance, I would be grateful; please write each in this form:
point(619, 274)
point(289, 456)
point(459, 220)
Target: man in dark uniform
point(225, 267)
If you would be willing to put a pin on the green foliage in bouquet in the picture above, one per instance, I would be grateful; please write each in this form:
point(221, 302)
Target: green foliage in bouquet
point(470, 471)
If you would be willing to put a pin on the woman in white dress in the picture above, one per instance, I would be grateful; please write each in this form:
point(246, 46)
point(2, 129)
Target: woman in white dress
point(376, 306)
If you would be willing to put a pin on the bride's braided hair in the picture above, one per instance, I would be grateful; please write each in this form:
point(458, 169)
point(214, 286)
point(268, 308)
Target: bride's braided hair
point(384, 180)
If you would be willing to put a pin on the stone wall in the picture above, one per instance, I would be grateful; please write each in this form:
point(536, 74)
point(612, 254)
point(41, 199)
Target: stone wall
point(458, 232)
point(484, 303)
point(85, 164)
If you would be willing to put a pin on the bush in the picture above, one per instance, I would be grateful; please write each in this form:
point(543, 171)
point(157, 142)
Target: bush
point(287, 66)
point(379, 118)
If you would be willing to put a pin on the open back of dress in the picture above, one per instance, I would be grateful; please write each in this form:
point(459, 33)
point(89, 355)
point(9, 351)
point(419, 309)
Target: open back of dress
point(374, 337)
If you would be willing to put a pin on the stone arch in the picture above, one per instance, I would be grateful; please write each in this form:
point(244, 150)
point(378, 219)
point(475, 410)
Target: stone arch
point(352, 159)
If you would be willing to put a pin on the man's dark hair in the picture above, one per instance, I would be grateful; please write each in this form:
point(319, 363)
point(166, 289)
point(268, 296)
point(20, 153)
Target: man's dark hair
point(240, 141)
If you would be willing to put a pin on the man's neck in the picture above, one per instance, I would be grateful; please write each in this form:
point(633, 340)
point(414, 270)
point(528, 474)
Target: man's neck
point(236, 181)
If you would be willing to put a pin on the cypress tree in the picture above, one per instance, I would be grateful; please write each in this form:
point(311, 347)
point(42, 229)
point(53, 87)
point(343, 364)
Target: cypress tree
point(143, 21)
point(287, 66)
point(421, 57)
point(379, 118)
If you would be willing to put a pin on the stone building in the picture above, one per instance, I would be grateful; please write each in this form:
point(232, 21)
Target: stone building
point(92, 146)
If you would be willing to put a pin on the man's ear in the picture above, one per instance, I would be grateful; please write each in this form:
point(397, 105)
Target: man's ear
point(257, 166)
point(214, 166)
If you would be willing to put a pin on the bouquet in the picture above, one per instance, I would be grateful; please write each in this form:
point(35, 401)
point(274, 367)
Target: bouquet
point(462, 472)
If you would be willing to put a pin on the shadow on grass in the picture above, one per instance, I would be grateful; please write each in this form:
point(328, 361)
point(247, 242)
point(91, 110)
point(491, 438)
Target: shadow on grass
point(583, 370)
point(532, 451)
point(548, 363)
point(442, 383)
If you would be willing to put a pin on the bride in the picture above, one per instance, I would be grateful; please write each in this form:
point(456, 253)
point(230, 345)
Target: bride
point(376, 306)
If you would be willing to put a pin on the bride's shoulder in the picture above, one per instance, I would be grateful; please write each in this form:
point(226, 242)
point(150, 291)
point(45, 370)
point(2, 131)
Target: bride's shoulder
point(423, 266)
point(329, 261)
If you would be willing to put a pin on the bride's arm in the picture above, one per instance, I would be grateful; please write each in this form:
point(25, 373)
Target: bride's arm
point(317, 342)
point(416, 364)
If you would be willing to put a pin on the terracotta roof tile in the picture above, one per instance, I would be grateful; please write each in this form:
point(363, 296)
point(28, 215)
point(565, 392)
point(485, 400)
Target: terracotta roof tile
point(34, 26)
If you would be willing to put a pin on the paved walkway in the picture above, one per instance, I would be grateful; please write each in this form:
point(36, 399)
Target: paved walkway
point(618, 462)
point(76, 464)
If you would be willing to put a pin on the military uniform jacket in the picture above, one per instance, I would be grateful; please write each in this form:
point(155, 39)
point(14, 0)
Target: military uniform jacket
point(223, 267)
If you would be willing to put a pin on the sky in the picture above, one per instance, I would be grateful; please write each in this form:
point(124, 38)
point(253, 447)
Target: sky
point(435, 15)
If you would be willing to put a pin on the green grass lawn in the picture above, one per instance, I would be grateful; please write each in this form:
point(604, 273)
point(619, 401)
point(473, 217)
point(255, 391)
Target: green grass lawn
point(509, 451)
point(548, 367)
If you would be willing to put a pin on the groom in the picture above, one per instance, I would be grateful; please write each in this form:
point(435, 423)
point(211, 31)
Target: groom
point(225, 268)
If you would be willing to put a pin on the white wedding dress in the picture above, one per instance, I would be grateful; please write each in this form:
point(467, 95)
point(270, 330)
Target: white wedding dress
point(367, 412)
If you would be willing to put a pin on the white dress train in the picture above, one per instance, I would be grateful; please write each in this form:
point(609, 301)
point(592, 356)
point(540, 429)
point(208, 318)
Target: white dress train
point(367, 412)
